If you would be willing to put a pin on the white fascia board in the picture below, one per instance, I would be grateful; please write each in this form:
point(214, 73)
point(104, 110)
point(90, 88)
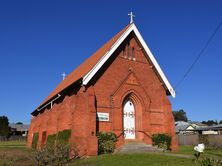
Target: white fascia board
point(94, 70)
point(153, 60)
point(107, 55)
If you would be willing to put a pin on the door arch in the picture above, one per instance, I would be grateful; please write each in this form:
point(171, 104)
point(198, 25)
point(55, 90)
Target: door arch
point(136, 127)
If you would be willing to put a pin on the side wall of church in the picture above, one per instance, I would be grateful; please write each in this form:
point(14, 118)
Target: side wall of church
point(76, 112)
point(51, 121)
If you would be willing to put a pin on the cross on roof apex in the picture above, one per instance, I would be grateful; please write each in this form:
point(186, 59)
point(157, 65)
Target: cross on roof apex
point(131, 17)
point(63, 75)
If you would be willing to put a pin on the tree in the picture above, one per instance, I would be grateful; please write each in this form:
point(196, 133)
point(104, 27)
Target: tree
point(19, 123)
point(4, 127)
point(210, 122)
point(180, 115)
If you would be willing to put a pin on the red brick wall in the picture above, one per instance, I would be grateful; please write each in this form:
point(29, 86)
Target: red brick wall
point(76, 112)
point(137, 77)
point(119, 78)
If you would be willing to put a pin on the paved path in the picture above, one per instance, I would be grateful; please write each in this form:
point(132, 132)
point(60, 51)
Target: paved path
point(131, 148)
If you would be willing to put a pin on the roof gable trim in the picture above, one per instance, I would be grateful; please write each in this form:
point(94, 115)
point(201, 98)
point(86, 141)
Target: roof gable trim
point(107, 55)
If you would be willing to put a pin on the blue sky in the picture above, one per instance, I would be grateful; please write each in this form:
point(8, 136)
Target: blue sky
point(39, 40)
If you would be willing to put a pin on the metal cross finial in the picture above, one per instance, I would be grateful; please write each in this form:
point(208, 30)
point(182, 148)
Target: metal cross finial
point(63, 75)
point(131, 17)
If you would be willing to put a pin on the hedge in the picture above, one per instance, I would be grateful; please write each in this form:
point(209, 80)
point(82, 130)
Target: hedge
point(51, 140)
point(63, 136)
point(60, 137)
point(35, 140)
point(106, 142)
point(162, 141)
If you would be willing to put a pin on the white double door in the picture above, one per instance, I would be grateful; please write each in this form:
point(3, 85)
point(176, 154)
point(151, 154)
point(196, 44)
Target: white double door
point(129, 120)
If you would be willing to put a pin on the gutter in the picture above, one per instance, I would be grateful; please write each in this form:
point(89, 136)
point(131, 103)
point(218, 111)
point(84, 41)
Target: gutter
point(50, 102)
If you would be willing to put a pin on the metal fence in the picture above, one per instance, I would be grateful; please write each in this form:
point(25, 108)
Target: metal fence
point(194, 139)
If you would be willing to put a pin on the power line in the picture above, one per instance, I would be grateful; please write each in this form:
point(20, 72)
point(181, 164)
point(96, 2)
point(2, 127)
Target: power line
point(199, 55)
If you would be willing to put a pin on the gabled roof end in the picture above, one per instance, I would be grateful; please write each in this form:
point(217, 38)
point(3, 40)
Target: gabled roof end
point(105, 57)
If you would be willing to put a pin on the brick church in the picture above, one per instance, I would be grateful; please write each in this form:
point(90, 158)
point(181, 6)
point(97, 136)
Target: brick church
point(120, 88)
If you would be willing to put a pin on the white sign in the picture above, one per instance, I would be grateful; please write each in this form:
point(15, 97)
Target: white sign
point(102, 116)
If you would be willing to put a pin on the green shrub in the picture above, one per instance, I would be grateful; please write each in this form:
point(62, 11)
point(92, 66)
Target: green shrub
point(51, 140)
point(163, 146)
point(109, 146)
point(162, 141)
point(35, 140)
point(60, 137)
point(208, 161)
point(57, 151)
point(63, 136)
point(204, 139)
point(106, 142)
point(57, 155)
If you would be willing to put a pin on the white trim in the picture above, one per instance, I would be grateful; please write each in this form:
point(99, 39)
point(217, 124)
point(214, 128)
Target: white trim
point(153, 60)
point(107, 55)
point(94, 70)
point(50, 102)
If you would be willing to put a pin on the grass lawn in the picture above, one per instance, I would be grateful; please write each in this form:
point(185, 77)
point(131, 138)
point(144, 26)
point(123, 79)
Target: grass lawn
point(186, 150)
point(134, 160)
point(149, 159)
point(15, 153)
point(208, 151)
point(12, 144)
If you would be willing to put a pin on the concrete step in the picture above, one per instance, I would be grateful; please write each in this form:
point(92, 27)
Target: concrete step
point(138, 148)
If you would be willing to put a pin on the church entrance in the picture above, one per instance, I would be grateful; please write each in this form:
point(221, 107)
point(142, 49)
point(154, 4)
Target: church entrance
point(129, 120)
